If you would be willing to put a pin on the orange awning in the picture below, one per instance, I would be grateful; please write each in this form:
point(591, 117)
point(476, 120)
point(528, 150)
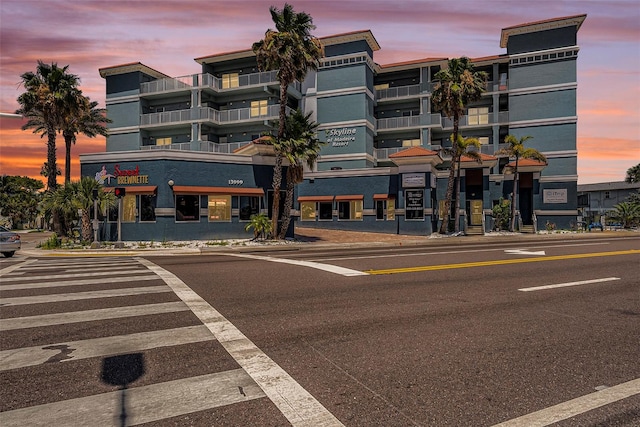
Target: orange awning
point(137, 189)
point(383, 196)
point(194, 189)
point(315, 198)
point(350, 197)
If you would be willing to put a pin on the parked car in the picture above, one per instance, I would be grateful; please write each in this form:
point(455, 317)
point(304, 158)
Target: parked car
point(9, 242)
point(596, 225)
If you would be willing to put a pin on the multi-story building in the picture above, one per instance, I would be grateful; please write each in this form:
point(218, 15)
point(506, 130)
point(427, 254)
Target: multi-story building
point(185, 148)
point(595, 201)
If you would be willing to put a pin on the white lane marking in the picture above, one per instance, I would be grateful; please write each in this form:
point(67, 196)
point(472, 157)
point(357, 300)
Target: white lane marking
point(318, 266)
point(523, 252)
point(13, 267)
point(90, 315)
point(75, 267)
point(100, 281)
point(114, 272)
point(576, 406)
point(413, 254)
point(145, 404)
point(43, 299)
point(99, 347)
point(563, 285)
point(295, 403)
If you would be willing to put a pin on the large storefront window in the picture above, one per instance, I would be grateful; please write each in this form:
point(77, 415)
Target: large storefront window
point(187, 208)
point(147, 207)
point(385, 209)
point(350, 209)
point(219, 208)
point(128, 209)
point(414, 204)
point(325, 211)
point(249, 205)
point(308, 211)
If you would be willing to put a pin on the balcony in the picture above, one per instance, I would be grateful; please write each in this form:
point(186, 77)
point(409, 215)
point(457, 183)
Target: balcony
point(211, 116)
point(393, 123)
point(399, 92)
point(384, 153)
point(482, 120)
point(216, 84)
point(201, 146)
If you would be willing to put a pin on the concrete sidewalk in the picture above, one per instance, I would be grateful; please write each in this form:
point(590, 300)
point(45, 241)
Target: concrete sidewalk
point(306, 238)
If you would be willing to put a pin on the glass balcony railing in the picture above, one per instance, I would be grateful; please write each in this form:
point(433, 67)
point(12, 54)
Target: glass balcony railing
point(207, 114)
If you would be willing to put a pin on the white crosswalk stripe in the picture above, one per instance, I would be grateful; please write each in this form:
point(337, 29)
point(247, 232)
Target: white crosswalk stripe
point(24, 291)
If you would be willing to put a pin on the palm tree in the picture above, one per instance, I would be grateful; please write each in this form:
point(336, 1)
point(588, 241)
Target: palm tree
point(628, 214)
point(292, 50)
point(517, 150)
point(83, 118)
point(300, 146)
point(633, 174)
point(261, 225)
point(463, 147)
point(43, 104)
point(456, 87)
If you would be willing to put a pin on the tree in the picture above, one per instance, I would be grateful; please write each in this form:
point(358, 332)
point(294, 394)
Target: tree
point(633, 174)
point(260, 224)
point(19, 199)
point(292, 51)
point(300, 146)
point(463, 147)
point(456, 87)
point(84, 117)
point(628, 214)
point(47, 91)
point(516, 150)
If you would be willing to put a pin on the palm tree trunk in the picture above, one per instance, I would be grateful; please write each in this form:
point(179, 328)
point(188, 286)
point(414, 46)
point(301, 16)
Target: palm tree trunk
point(457, 212)
point(512, 227)
point(68, 141)
point(288, 203)
point(87, 229)
point(52, 172)
point(277, 168)
point(446, 215)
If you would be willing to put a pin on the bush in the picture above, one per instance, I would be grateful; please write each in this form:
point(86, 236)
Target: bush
point(501, 214)
point(53, 242)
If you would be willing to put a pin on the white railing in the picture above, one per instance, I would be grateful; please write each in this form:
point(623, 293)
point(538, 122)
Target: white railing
point(167, 85)
point(208, 114)
point(398, 92)
point(204, 146)
point(398, 122)
point(384, 153)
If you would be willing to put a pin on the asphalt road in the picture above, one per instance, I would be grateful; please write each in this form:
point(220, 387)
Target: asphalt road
point(431, 335)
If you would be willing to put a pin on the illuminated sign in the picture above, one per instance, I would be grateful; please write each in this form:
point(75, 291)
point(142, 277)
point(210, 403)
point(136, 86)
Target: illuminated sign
point(122, 176)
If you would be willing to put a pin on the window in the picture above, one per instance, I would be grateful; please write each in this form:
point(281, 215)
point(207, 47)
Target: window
point(128, 209)
point(163, 141)
point(484, 140)
point(381, 86)
point(249, 205)
point(325, 210)
point(414, 204)
point(219, 208)
point(478, 116)
point(187, 208)
point(607, 194)
point(259, 108)
point(350, 210)
point(147, 207)
point(410, 142)
point(307, 211)
point(230, 80)
point(388, 206)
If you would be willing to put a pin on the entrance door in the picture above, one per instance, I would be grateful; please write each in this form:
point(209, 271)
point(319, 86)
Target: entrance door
point(475, 212)
point(525, 197)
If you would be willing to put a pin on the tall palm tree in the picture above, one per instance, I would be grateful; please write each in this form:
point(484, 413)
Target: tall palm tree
point(300, 145)
point(83, 118)
point(463, 147)
point(456, 87)
point(517, 150)
point(292, 50)
point(47, 90)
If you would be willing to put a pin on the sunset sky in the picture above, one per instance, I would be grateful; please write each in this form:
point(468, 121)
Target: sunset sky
point(168, 35)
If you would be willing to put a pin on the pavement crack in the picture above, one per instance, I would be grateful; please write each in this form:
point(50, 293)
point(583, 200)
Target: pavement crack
point(65, 351)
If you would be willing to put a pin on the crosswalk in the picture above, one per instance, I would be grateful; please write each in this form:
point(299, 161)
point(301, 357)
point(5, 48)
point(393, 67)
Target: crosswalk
point(63, 318)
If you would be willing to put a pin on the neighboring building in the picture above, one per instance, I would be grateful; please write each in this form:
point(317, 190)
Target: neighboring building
point(183, 147)
point(595, 200)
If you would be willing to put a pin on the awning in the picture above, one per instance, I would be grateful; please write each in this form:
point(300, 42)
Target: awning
point(350, 197)
point(383, 196)
point(137, 189)
point(194, 189)
point(315, 199)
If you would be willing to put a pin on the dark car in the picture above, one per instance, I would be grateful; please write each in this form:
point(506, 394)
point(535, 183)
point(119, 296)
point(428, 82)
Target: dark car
point(9, 242)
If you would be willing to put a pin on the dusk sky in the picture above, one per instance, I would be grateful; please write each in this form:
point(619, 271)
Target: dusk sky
point(168, 35)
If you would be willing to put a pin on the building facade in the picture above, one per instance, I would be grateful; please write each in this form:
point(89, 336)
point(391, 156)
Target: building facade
point(185, 150)
point(595, 201)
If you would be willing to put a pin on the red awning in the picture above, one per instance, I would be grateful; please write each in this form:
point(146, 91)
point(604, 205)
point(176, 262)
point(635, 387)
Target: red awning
point(383, 196)
point(350, 197)
point(315, 199)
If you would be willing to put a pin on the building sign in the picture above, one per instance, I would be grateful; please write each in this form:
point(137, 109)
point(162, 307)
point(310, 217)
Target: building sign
point(414, 204)
point(556, 195)
point(340, 137)
point(121, 176)
point(413, 180)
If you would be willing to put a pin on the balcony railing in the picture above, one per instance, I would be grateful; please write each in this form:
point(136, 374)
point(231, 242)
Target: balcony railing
point(384, 153)
point(207, 114)
point(398, 122)
point(217, 84)
point(398, 92)
point(478, 120)
point(202, 146)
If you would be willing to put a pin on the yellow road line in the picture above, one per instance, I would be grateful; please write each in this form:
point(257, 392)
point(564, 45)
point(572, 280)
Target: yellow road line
point(500, 262)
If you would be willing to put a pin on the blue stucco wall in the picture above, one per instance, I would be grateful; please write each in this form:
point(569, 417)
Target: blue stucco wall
point(545, 105)
point(342, 77)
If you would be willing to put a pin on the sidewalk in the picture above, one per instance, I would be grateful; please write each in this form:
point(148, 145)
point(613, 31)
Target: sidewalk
point(306, 238)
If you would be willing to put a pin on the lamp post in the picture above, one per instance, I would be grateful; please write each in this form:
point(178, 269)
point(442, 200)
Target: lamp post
point(96, 243)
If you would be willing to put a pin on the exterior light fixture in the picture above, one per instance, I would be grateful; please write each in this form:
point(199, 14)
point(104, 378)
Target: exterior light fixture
point(171, 183)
